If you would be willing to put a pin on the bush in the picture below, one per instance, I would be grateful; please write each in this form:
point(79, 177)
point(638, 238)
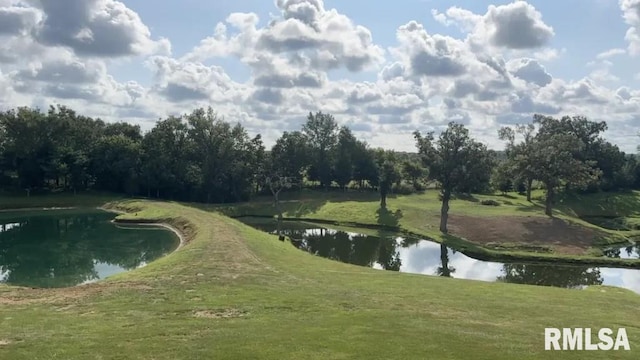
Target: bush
point(402, 189)
point(490, 202)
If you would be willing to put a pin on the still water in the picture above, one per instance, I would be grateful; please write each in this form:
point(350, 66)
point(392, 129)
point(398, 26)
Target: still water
point(62, 248)
point(391, 252)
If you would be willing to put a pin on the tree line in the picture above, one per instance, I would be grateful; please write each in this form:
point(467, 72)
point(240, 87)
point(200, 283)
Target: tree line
point(195, 157)
point(201, 157)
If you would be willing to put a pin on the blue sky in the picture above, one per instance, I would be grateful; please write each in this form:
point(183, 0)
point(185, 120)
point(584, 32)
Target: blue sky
point(426, 62)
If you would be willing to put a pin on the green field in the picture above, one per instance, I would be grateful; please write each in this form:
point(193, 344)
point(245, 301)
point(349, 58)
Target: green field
point(233, 292)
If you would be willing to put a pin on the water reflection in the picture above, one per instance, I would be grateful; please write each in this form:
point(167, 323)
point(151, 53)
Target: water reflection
point(627, 252)
point(390, 252)
point(342, 246)
point(66, 248)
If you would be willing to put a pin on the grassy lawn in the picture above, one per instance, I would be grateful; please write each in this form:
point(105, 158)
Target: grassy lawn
point(514, 230)
point(233, 292)
point(86, 199)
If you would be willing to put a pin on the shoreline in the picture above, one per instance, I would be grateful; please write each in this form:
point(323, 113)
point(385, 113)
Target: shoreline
point(181, 236)
point(477, 251)
point(44, 208)
point(467, 247)
point(182, 241)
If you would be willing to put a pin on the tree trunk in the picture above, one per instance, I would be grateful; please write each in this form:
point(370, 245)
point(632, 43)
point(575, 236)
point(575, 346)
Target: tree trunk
point(529, 184)
point(279, 224)
point(548, 209)
point(444, 211)
point(277, 203)
point(383, 196)
point(444, 261)
point(279, 211)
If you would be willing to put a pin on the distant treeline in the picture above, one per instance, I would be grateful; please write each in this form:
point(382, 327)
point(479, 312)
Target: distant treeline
point(201, 157)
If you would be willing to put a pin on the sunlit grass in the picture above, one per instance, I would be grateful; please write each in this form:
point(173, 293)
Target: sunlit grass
point(419, 214)
point(237, 293)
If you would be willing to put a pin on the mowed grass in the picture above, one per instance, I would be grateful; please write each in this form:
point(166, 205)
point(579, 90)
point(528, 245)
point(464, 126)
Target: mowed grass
point(419, 214)
point(63, 199)
point(233, 292)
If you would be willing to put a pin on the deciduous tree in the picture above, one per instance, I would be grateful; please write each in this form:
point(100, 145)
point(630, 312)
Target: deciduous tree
point(455, 160)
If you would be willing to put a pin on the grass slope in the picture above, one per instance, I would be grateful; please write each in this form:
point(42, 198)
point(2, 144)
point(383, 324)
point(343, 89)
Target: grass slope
point(233, 292)
point(515, 230)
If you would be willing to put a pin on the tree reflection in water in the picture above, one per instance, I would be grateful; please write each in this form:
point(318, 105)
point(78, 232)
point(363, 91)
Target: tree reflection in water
point(352, 248)
point(388, 251)
point(545, 275)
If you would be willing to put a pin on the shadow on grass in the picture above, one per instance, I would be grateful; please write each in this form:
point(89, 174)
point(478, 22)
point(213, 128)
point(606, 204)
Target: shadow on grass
point(529, 209)
point(603, 204)
point(466, 197)
point(387, 218)
point(295, 203)
point(293, 208)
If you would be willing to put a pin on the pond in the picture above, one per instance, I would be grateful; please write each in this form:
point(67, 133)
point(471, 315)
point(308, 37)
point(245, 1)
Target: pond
point(60, 248)
point(391, 252)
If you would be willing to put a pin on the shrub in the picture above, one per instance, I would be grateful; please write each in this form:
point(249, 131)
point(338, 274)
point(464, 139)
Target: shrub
point(490, 202)
point(402, 189)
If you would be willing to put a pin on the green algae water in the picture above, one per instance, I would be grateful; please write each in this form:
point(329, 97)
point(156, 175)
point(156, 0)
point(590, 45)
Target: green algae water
point(62, 248)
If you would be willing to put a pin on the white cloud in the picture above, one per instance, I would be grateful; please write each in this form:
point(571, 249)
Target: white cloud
point(305, 30)
point(192, 81)
point(517, 25)
point(17, 20)
point(610, 53)
point(631, 14)
point(302, 60)
point(530, 71)
point(549, 54)
point(101, 28)
point(464, 19)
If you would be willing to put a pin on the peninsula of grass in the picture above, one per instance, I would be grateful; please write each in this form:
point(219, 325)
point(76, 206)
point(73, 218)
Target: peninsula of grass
point(233, 292)
point(514, 230)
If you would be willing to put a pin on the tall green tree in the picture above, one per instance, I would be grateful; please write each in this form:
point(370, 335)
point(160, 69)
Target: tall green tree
point(76, 137)
point(413, 171)
point(364, 165)
point(388, 174)
point(343, 166)
point(519, 162)
point(225, 157)
point(165, 159)
point(116, 164)
point(558, 158)
point(321, 131)
point(29, 145)
point(455, 160)
point(502, 177)
point(290, 156)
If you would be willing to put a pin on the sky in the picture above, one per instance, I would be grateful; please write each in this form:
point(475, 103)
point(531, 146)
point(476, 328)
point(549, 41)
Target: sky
point(383, 68)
